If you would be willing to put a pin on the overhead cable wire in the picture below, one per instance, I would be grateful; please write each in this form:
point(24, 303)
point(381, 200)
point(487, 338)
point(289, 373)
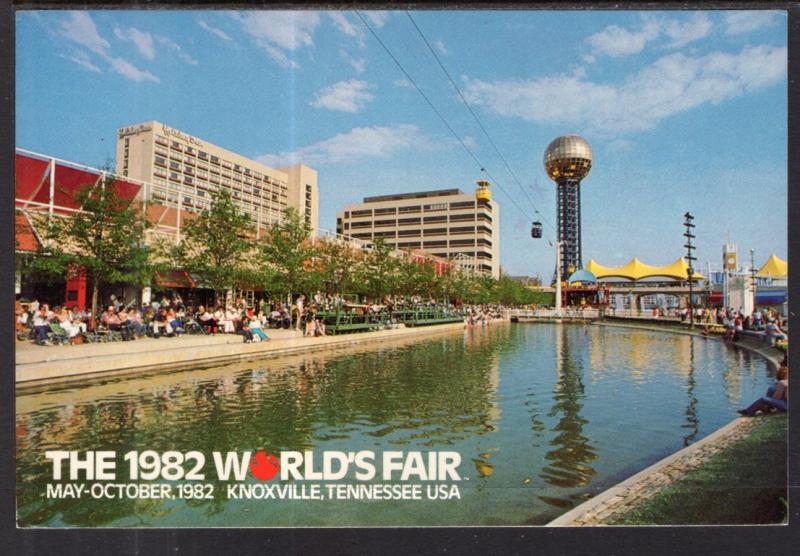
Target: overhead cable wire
point(436, 111)
point(474, 115)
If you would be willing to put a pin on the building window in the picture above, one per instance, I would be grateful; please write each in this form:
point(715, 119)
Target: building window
point(429, 219)
point(357, 213)
point(408, 233)
point(462, 230)
point(462, 205)
point(384, 223)
point(414, 208)
point(462, 218)
point(429, 244)
point(435, 231)
point(385, 211)
point(409, 221)
point(462, 243)
point(435, 207)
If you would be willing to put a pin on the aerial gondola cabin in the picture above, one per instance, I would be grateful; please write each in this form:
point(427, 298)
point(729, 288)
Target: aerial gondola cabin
point(536, 230)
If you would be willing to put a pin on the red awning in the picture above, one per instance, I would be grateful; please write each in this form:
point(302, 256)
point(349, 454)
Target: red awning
point(25, 238)
point(174, 279)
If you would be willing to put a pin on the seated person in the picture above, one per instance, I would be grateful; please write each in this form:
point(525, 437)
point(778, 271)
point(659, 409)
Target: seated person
point(246, 332)
point(774, 332)
point(222, 321)
point(110, 319)
point(777, 396)
point(174, 322)
point(161, 323)
point(135, 322)
point(258, 332)
point(206, 320)
point(124, 325)
point(41, 325)
point(319, 328)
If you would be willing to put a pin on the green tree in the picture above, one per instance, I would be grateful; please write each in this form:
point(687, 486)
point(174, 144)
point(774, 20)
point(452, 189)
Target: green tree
point(380, 270)
point(105, 239)
point(339, 265)
point(284, 253)
point(217, 244)
point(415, 277)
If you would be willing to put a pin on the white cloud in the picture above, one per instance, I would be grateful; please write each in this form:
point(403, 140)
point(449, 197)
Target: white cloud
point(80, 29)
point(440, 47)
point(737, 23)
point(214, 30)
point(403, 83)
point(684, 32)
point(378, 17)
point(128, 70)
point(82, 60)
point(277, 32)
point(360, 142)
point(671, 85)
point(358, 64)
point(344, 96)
point(142, 40)
point(172, 45)
point(619, 145)
point(615, 41)
point(344, 24)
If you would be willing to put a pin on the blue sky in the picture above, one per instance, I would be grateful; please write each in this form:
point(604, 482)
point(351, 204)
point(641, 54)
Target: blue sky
point(684, 110)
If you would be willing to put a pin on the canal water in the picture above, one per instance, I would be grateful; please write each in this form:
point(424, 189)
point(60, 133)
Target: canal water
point(543, 417)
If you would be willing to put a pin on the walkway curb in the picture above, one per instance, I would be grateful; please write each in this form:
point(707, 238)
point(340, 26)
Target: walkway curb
point(177, 357)
point(591, 507)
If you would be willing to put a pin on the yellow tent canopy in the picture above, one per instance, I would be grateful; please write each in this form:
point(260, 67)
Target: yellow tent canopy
point(637, 270)
point(774, 268)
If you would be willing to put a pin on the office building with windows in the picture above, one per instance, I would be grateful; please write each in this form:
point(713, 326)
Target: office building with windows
point(447, 223)
point(182, 171)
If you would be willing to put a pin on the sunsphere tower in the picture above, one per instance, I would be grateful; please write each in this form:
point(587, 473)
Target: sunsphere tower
point(568, 160)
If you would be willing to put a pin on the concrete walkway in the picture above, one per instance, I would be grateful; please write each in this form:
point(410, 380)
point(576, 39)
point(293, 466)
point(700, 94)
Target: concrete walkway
point(36, 365)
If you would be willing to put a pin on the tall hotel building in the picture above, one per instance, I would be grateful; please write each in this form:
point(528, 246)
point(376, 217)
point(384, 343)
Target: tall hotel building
point(447, 223)
point(184, 169)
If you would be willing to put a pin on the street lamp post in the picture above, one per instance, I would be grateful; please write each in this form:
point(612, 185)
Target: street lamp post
point(689, 258)
point(753, 277)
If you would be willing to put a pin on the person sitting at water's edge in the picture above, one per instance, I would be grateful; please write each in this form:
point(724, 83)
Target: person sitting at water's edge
point(777, 396)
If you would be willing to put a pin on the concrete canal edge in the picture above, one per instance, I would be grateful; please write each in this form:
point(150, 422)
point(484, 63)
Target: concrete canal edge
point(133, 361)
point(634, 490)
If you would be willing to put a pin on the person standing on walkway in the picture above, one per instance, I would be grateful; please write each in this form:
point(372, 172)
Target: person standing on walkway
point(300, 309)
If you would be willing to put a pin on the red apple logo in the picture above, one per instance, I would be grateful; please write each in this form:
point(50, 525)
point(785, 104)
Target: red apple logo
point(264, 467)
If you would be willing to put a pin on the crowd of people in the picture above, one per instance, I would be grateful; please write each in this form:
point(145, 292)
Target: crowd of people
point(768, 321)
point(169, 316)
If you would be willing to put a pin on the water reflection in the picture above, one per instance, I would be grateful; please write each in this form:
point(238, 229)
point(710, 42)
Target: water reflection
point(541, 415)
point(692, 422)
point(572, 453)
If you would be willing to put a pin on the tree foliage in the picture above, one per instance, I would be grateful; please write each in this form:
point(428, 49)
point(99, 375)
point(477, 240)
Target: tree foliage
point(217, 243)
point(286, 254)
point(105, 239)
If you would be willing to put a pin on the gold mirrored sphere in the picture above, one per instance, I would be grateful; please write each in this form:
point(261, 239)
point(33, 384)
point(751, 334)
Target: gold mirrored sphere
point(568, 156)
